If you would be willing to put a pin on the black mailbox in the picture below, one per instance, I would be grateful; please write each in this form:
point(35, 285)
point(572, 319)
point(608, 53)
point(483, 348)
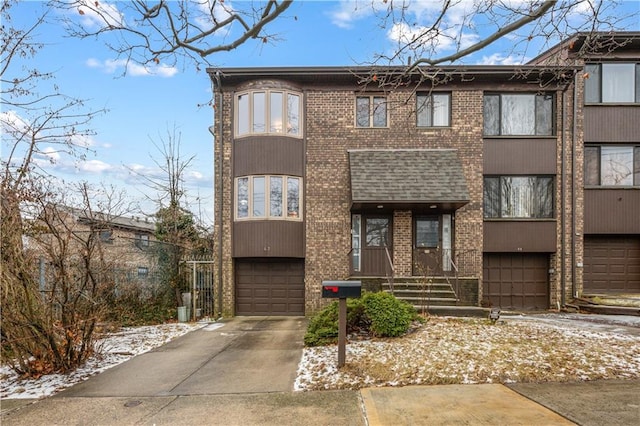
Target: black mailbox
point(341, 289)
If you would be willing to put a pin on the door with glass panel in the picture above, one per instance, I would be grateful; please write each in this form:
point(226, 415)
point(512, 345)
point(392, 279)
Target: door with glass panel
point(432, 245)
point(371, 245)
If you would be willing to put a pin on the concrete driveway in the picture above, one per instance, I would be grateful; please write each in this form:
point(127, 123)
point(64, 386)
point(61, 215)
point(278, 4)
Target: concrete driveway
point(246, 354)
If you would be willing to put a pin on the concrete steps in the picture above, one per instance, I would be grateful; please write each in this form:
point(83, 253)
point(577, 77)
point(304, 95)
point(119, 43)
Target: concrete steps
point(435, 292)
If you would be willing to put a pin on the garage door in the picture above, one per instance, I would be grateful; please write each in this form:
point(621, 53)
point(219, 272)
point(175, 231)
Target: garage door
point(269, 287)
point(516, 280)
point(611, 264)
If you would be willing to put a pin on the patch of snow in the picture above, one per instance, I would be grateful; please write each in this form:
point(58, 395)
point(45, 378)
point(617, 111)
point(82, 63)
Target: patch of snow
point(114, 349)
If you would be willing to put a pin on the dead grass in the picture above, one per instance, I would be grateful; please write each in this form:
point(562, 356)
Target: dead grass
point(445, 351)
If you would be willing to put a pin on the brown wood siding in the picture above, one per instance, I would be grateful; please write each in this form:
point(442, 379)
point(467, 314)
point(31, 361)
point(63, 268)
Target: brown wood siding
point(269, 287)
point(612, 264)
point(277, 155)
point(519, 156)
point(516, 281)
point(606, 123)
point(612, 211)
point(268, 238)
point(520, 236)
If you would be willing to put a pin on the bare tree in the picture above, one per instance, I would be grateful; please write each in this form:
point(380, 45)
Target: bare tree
point(154, 32)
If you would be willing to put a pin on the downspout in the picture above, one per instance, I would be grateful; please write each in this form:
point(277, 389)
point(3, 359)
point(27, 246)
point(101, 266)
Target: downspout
point(574, 289)
point(218, 108)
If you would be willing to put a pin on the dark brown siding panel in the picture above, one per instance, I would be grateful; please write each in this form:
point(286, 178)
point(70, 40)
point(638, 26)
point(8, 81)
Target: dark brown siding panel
point(519, 156)
point(268, 238)
point(516, 237)
point(268, 155)
point(604, 123)
point(612, 211)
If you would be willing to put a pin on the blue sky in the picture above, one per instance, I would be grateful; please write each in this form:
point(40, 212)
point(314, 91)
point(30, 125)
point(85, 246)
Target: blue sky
point(144, 104)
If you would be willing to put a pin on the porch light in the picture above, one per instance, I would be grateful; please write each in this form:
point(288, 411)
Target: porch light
point(380, 206)
point(433, 206)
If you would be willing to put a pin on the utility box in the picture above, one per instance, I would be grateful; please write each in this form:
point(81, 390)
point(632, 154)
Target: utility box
point(341, 289)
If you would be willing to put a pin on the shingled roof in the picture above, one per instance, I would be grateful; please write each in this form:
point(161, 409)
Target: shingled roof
point(417, 176)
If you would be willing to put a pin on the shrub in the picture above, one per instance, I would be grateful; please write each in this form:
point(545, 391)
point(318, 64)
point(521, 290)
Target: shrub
point(379, 314)
point(388, 316)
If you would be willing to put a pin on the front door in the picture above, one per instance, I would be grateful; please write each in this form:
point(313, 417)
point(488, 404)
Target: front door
point(372, 244)
point(432, 251)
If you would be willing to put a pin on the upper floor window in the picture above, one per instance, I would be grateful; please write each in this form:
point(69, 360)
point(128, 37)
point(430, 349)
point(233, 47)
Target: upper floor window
point(268, 197)
point(269, 111)
point(612, 165)
point(518, 114)
point(105, 235)
point(518, 197)
point(612, 83)
point(371, 111)
point(433, 110)
point(142, 240)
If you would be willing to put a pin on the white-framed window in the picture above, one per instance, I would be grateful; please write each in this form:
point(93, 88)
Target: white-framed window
point(433, 110)
point(371, 111)
point(269, 112)
point(143, 271)
point(519, 114)
point(356, 243)
point(617, 82)
point(611, 165)
point(268, 197)
point(518, 197)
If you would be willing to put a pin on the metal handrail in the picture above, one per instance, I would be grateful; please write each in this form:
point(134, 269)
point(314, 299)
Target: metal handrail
point(393, 269)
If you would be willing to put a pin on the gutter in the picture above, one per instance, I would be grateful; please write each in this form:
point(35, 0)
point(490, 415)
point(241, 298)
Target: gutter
point(574, 289)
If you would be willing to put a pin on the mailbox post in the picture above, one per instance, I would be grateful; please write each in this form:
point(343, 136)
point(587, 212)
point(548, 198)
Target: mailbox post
point(341, 290)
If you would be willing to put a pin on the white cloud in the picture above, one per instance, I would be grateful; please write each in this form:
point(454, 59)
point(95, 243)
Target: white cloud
point(221, 11)
point(52, 154)
point(110, 66)
point(499, 59)
point(350, 11)
point(11, 121)
point(94, 166)
point(100, 14)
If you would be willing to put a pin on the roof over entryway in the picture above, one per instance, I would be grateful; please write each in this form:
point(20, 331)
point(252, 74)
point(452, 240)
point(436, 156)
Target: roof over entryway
point(407, 178)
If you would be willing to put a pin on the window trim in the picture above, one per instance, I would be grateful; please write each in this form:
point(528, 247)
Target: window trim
point(554, 130)
point(267, 95)
point(430, 95)
point(267, 200)
point(635, 152)
point(500, 207)
point(598, 74)
point(371, 98)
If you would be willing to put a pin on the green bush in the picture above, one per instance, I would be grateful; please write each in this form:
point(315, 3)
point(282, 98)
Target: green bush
point(388, 316)
point(379, 314)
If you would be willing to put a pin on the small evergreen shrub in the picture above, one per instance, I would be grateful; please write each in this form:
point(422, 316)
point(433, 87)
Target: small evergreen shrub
point(379, 314)
point(388, 316)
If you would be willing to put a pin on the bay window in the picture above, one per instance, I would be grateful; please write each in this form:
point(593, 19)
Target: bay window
point(268, 112)
point(519, 114)
point(268, 197)
point(612, 165)
point(612, 83)
point(518, 197)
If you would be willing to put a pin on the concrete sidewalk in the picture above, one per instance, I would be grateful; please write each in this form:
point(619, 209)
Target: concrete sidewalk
point(243, 372)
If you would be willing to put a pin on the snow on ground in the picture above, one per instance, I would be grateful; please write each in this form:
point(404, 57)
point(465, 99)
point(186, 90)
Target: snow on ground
point(548, 347)
point(455, 350)
point(115, 349)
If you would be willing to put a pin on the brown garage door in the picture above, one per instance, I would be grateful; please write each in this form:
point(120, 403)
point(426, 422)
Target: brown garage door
point(270, 287)
point(516, 280)
point(611, 264)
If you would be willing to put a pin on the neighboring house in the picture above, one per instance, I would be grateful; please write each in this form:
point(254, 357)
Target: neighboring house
point(126, 242)
point(474, 182)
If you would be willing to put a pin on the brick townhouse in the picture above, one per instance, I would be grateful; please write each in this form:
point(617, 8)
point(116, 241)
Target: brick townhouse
point(508, 186)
